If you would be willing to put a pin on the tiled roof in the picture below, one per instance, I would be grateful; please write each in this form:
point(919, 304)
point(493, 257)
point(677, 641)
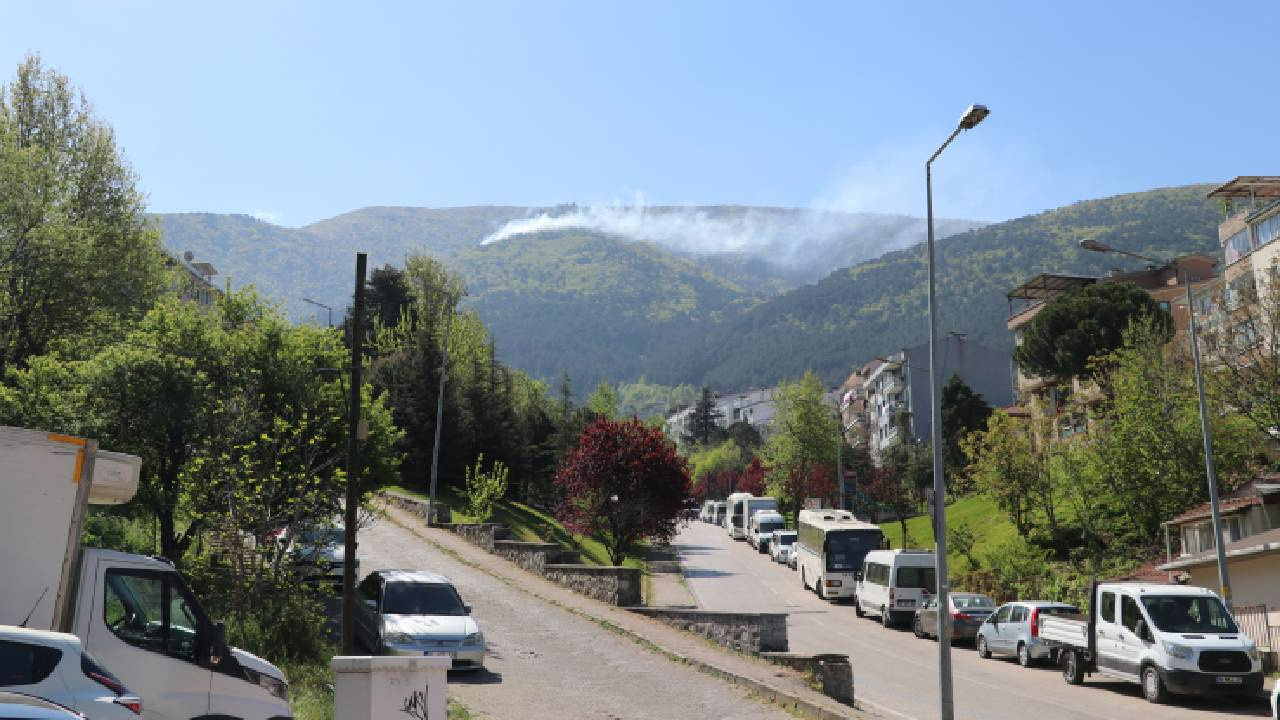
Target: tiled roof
point(1225, 505)
point(1148, 572)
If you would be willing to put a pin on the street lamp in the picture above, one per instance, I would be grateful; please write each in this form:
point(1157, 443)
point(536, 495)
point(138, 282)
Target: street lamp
point(972, 116)
point(321, 305)
point(1210, 470)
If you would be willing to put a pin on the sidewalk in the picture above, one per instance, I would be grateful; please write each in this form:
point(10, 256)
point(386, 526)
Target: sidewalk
point(666, 585)
point(782, 686)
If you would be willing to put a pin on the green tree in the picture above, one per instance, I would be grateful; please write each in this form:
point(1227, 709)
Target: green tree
point(1078, 326)
point(78, 259)
point(1144, 461)
point(604, 402)
point(484, 488)
point(963, 412)
point(1008, 465)
point(704, 421)
point(803, 439)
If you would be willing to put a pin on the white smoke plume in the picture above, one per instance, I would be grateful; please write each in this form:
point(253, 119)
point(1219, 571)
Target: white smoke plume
point(807, 240)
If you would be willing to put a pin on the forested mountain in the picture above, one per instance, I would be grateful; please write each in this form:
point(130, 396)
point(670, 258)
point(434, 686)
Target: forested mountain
point(879, 306)
point(600, 292)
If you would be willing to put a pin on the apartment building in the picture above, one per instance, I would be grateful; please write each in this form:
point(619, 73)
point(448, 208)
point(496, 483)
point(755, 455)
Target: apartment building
point(855, 406)
point(898, 387)
point(1165, 283)
point(754, 407)
point(193, 280)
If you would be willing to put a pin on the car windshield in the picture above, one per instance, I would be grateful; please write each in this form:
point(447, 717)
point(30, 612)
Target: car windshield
point(1189, 614)
point(971, 602)
point(786, 539)
point(769, 526)
point(421, 599)
point(916, 577)
point(324, 536)
point(846, 549)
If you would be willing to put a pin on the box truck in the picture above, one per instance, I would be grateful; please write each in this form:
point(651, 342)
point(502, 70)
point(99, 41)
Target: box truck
point(135, 614)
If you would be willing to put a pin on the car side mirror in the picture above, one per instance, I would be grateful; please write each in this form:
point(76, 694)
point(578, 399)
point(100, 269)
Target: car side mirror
point(466, 608)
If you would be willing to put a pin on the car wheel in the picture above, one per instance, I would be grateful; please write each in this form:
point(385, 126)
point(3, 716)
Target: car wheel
point(1153, 688)
point(819, 589)
point(857, 607)
point(804, 580)
point(885, 619)
point(1072, 671)
point(983, 651)
point(1024, 655)
point(915, 628)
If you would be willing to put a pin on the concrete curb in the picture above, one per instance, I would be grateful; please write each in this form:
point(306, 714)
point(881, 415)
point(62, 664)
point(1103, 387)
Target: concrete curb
point(782, 698)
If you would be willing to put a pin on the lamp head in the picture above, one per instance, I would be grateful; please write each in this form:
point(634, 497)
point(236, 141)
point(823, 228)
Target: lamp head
point(1094, 246)
point(974, 115)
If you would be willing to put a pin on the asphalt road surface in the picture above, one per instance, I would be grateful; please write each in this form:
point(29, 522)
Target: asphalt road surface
point(548, 664)
point(897, 671)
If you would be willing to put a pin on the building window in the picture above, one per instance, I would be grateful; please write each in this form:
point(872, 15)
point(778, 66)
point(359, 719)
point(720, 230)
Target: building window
point(1268, 230)
point(1237, 246)
point(1164, 305)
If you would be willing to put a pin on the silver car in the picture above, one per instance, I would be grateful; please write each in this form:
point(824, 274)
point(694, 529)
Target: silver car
point(968, 611)
point(19, 706)
point(413, 612)
point(1014, 630)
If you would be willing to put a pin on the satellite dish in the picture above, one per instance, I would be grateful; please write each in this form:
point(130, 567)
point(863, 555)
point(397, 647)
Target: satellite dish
point(188, 256)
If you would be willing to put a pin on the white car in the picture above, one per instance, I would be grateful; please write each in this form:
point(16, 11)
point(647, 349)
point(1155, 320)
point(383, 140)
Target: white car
point(319, 553)
point(54, 666)
point(1275, 702)
point(781, 545)
point(16, 706)
point(414, 612)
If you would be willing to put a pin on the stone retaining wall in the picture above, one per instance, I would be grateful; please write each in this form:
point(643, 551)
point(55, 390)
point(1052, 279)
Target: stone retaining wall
point(745, 632)
point(614, 585)
point(535, 556)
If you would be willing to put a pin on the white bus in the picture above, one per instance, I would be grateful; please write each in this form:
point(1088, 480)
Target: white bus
point(741, 507)
point(829, 548)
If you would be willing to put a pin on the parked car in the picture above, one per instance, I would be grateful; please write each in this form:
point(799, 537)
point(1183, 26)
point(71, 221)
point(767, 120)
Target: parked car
point(55, 667)
point(708, 507)
point(414, 612)
point(718, 513)
point(781, 545)
point(968, 610)
point(319, 553)
point(1014, 629)
point(19, 706)
point(1275, 702)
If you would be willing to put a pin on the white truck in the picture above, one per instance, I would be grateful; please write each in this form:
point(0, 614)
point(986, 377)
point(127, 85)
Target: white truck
point(135, 614)
point(1167, 638)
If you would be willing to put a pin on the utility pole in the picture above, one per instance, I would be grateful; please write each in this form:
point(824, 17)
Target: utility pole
point(353, 466)
point(435, 448)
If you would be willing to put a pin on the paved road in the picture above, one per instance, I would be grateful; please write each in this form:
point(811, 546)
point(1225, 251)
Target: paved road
point(893, 668)
point(548, 664)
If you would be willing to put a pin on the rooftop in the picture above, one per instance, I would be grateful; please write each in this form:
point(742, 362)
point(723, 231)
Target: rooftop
point(1047, 285)
point(1249, 186)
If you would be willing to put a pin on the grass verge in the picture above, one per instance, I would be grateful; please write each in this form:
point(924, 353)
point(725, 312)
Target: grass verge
point(989, 524)
point(529, 524)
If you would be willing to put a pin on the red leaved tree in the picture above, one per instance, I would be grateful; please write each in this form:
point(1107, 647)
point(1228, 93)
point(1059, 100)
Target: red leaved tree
point(819, 482)
point(892, 490)
point(623, 483)
point(752, 480)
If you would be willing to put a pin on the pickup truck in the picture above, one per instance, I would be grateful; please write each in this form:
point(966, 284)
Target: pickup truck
point(135, 614)
point(1167, 638)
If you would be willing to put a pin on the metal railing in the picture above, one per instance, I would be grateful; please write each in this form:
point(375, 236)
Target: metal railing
point(1255, 623)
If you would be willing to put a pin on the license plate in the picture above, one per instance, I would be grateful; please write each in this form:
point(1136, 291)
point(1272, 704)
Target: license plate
point(437, 653)
point(906, 603)
point(1229, 680)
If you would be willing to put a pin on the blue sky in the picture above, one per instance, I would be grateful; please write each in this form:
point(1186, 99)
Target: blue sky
point(301, 111)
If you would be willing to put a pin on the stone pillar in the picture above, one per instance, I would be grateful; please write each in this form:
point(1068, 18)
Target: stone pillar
point(369, 688)
point(835, 672)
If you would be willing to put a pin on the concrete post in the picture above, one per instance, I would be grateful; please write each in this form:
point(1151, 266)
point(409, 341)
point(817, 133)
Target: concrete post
point(835, 672)
point(369, 688)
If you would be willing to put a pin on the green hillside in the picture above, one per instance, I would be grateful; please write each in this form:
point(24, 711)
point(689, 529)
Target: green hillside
point(879, 306)
point(599, 307)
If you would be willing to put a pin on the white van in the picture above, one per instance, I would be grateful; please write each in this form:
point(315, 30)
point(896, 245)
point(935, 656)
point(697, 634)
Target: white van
point(741, 507)
point(894, 583)
point(761, 526)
